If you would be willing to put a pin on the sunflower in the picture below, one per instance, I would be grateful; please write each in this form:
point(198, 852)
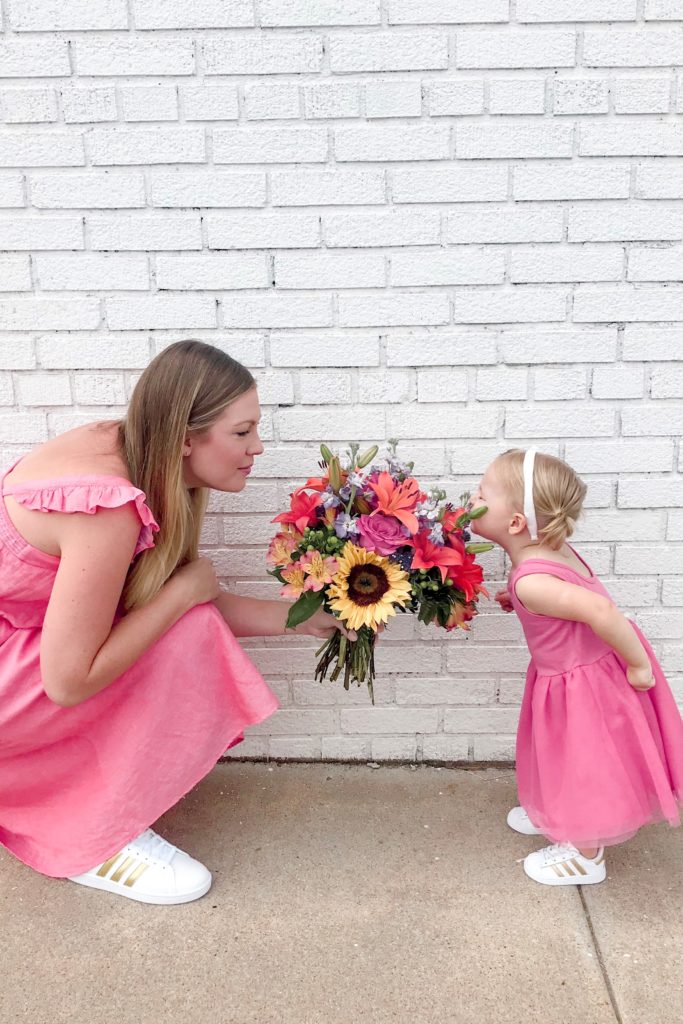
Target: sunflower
point(366, 588)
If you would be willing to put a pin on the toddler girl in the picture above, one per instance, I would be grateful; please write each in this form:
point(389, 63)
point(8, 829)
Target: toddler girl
point(600, 739)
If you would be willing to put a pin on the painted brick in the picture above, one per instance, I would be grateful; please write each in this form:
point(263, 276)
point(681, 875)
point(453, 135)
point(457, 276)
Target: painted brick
point(46, 58)
point(560, 347)
point(644, 492)
point(560, 384)
point(408, 12)
point(11, 189)
point(396, 310)
point(332, 99)
point(81, 105)
point(44, 388)
point(327, 188)
point(389, 142)
point(519, 223)
point(513, 141)
point(100, 189)
point(569, 181)
point(626, 302)
point(150, 14)
point(638, 221)
point(559, 421)
point(517, 95)
point(209, 102)
point(263, 54)
point(663, 10)
point(92, 352)
point(330, 270)
point(41, 149)
point(121, 55)
point(448, 267)
point(570, 263)
point(652, 419)
point(166, 311)
point(576, 10)
point(620, 456)
point(429, 420)
point(147, 146)
point(207, 188)
point(498, 48)
point(635, 138)
point(459, 96)
point(274, 310)
point(393, 99)
point(141, 231)
point(395, 227)
point(618, 382)
point(521, 303)
point(642, 95)
point(262, 230)
point(24, 106)
point(82, 15)
point(270, 101)
point(659, 179)
point(605, 48)
point(15, 273)
point(269, 145)
point(442, 350)
point(149, 103)
point(501, 384)
point(650, 263)
point(330, 350)
point(88, 272)
point(652, 343)
point(379, 386)
point(319, 12)
point(386, 51)
point(41, 233)
point(222, 273)
point(667, 382)
point(580, 96)
point(466, 183)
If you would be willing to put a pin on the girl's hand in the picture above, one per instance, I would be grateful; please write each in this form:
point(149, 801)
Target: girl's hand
point(640, 678)
point(504, 600)
point(323, 625)
point(198, 580)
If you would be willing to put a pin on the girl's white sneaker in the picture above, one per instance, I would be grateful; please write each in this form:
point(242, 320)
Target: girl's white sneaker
point(562, 864)
point(519, 821)
point(150, 870)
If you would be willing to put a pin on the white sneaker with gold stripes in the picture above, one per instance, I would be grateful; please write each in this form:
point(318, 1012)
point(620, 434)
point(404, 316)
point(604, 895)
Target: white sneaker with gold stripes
point(562, 864)
point(150, 870)
point(519, 821)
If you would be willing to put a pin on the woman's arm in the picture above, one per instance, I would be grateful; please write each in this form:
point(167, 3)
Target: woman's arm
point(251, 616)
point(548, 595)
point(81, 651)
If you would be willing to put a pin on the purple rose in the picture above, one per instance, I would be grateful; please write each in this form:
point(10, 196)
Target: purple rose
point(381, 533)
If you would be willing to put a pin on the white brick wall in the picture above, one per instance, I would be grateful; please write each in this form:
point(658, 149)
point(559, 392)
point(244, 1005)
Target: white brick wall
point(458, 221)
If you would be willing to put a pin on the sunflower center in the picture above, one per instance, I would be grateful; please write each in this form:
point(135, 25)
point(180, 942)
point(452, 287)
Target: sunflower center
point(367, 584)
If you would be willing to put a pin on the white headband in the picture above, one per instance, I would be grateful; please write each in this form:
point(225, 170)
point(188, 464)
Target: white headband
point(529, 510)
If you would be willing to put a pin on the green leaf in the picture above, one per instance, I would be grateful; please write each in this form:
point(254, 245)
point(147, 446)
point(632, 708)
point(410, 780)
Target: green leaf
point(277, 573)
point(304, 607)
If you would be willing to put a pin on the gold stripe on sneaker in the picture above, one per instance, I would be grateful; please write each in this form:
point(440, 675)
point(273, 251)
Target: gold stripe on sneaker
point(581, 870)
point(567, 868)
point(557, 870)
point(134, 875)
point(601, 861)
point(108, 864)
point(120, 871)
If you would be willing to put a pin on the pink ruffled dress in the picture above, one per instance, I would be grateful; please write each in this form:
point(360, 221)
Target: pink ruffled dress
point(596, 759)
point(76, 784)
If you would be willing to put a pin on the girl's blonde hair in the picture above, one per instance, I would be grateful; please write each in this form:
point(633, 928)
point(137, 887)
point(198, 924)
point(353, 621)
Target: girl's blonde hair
point(558, 493)
point(182, 392)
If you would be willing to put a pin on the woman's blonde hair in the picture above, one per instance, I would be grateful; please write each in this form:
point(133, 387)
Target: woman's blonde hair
point(558, 493)
point(182, 392)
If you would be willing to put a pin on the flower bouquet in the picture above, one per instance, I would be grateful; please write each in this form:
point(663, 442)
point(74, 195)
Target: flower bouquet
point(364, 542)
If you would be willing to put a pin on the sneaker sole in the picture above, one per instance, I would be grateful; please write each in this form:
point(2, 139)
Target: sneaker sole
point(578, 880)
point(525, 832)
point(118, 889)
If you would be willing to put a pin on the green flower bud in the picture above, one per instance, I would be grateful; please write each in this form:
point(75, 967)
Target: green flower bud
point(367, 457)
point(326, 453)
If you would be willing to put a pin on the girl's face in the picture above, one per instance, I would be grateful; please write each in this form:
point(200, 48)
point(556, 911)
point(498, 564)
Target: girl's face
point(222, 457)
point(495, 524)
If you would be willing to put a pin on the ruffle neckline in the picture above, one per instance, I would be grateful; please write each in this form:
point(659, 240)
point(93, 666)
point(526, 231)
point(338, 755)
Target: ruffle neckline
point(87, 494)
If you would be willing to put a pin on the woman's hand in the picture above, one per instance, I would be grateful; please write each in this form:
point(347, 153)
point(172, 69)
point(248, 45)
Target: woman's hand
point(198, 581)
point(504, 600)
point(640, 677)
point(323, 625)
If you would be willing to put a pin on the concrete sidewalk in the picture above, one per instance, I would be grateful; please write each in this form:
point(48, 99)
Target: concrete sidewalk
point(347, 895)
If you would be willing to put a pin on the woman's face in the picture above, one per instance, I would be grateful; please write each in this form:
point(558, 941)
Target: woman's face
point(222, 457)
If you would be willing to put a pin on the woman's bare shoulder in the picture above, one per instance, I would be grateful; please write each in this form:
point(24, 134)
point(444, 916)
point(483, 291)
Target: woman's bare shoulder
point(88, 450)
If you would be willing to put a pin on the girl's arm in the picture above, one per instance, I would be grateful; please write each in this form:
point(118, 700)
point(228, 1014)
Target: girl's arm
point(251, 616)
point(81, 650)
point(548, 595)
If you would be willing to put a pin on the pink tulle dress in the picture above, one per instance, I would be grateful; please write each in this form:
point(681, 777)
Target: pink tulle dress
point(76, 784)
point(596, 759)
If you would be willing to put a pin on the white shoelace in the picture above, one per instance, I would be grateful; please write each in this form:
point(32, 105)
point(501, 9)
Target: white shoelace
point(559, 851)
point(152, 845)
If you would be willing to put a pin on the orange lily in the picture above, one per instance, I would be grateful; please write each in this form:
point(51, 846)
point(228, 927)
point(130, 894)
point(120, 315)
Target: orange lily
point(397, 500)
point(303, 511)
point(429, 556)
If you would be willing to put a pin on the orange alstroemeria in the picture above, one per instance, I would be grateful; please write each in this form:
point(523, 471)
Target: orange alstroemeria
point(431, 556)
point(397, 500)
point(303, 511)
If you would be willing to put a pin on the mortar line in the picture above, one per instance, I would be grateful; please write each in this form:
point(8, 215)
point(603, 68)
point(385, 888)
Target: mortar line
point(601, 962)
